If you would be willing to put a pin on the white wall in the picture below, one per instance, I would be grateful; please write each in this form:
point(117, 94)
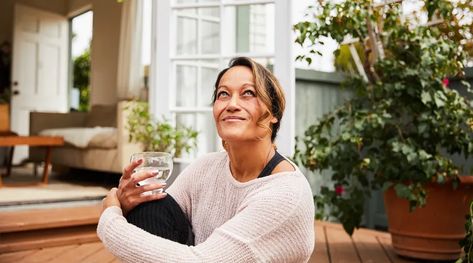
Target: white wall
point(104, 51)
point(106, 26)
point(7, 11)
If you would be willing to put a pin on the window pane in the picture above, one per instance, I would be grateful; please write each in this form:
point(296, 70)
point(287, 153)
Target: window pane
point(251, 28)
point(210, 37)
point(267, 62)
point(186, 36)
point(186, 79)
point(208, 77)
point(210, 12)
point(204, 124)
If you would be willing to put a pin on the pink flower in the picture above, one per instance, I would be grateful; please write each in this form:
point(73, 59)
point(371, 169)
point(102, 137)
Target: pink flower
point(445, 82)
point(339, 190)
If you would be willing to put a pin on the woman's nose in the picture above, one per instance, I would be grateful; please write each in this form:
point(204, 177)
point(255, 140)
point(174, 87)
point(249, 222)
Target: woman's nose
point(233, 104)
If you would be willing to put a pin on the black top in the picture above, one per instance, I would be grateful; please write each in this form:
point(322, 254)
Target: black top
point(277, 158)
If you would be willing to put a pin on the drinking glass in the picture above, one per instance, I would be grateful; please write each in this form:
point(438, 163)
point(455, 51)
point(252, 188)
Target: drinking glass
point(154, 161)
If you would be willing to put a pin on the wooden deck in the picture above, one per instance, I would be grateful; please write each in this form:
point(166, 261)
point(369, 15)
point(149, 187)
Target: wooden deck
point(332, 245)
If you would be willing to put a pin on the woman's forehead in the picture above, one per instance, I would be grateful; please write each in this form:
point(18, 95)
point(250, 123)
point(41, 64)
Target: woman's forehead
point(238, 74)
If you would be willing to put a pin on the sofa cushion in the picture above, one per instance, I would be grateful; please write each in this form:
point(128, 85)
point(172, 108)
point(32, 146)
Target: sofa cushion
point(80, 137)
point(102, 115)
point(107, 139)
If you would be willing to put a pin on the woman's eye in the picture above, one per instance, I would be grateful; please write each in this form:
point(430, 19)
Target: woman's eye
point(249, 93)
point(222, 94)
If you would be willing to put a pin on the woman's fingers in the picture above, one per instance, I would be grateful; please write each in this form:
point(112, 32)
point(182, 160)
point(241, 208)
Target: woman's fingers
point(128, 170)
point(133, 200)
point(131, 195)
point(140, 176)
point(148, 187)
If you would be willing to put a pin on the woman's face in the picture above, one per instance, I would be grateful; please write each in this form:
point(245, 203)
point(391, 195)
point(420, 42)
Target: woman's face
point(237, 109)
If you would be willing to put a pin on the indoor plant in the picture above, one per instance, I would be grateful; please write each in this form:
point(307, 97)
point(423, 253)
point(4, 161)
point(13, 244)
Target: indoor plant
point(403, 123)
point(158, 135)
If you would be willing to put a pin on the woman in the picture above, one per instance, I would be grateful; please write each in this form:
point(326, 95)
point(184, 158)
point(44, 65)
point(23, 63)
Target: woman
point(241, 209)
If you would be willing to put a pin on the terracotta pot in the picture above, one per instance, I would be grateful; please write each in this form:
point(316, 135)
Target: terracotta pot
point(431, 232)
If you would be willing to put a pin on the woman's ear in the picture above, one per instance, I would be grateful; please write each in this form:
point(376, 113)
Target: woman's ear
point(274, 120)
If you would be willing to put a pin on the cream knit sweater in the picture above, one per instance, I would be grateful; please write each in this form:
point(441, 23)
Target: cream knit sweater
point(269, 219)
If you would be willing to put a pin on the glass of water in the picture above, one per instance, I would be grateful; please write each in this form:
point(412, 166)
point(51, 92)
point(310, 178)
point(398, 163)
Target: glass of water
point(154, 161)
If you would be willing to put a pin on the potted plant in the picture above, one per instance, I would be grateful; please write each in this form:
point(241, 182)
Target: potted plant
point(467, 242)
point(158, 135)
point(403, 123)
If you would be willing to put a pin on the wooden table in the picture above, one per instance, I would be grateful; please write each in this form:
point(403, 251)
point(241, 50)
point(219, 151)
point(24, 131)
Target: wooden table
point(45, 141)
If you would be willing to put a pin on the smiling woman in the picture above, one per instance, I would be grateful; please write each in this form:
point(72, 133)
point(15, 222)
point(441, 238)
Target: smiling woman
point(246, 204)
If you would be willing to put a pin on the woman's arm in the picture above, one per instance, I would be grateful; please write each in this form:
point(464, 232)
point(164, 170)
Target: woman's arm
point(271, 227)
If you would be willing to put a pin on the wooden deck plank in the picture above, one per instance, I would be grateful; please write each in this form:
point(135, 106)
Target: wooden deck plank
point(369, 249)
point(41, 218)
point(15, 256)
point(78, 254)
point(47, 254)
point(332, 245)
point(394, 258)
point(341, 247)
point(100, 256)
point(320, 254)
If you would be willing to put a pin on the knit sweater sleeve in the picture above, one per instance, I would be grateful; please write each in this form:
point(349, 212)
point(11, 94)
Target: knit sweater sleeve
point(272, 226)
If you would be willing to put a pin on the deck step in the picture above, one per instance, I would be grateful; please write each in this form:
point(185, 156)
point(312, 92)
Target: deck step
point(38, 228)
point(17, 221)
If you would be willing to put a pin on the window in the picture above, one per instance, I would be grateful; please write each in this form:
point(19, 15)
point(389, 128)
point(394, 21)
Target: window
point(81, 28)
point(200, 37)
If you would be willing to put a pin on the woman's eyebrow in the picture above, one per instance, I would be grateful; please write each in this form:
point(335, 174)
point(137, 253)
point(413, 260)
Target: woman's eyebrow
point(248, 85)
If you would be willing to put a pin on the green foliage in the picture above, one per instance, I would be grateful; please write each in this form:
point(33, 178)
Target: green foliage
point(402, 124)
point(467, 242)
point(158, 135)
point(81, 80)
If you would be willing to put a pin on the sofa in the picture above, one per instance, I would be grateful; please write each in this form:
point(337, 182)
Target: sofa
point(94, 140)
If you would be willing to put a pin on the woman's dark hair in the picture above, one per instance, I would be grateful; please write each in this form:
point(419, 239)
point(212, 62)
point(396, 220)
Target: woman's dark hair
point(268, 90)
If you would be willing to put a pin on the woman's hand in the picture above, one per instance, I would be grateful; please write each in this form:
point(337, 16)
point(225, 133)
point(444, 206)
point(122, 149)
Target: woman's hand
point(111, 199)
point(130, 194)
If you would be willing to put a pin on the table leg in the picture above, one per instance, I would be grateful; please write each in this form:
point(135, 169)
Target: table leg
point(10, 160)
point(47, 161)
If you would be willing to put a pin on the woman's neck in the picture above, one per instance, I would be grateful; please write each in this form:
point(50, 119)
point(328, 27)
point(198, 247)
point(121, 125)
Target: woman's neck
point(247, 159)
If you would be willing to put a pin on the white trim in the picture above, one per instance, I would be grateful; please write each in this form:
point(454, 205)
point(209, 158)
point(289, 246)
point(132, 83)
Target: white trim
point(199, 17)
point(285, 72)
point(196, 64)
point(190, 109)
point(160, 98)
point(222, 3)
point(154, 60)
point(196, 5)
point(248, 2)
point(217, 56)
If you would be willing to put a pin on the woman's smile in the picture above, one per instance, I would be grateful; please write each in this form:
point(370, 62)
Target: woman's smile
point(233, 119)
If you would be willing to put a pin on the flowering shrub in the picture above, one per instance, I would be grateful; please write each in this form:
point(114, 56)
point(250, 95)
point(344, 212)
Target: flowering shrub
point(402, 124)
